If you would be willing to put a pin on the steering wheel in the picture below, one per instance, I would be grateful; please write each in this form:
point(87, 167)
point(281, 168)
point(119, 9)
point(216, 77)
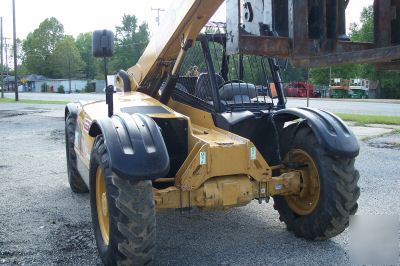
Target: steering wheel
point(232, 81)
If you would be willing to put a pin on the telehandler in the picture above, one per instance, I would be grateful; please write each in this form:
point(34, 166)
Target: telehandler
point(189, 129)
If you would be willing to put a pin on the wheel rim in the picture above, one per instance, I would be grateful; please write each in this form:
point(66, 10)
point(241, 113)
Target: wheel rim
point(102, 206)
point(307, 200)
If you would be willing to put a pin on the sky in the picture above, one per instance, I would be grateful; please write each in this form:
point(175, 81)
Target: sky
point(88, 15)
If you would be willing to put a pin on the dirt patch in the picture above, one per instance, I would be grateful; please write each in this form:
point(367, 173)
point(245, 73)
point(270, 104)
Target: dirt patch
point(71, 243)
point(11, 113)
point(57, 135)
point(7, 256)
point(75, 237)
point(385, 145)
point(21, 112)
point(35, 109)
point(390, 140)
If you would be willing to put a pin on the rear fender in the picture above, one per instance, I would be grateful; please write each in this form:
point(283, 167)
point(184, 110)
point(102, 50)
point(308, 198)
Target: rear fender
point(135, 145)
point(331, 132)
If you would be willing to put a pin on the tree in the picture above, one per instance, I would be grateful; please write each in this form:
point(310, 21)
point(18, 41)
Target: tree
point(20, 58)
point(365, 31)
point(66, 59)
point(84, 45)
point(40, 44)
point(320, 76)
point(131, 40)
point(294, 74)
point(388, 80)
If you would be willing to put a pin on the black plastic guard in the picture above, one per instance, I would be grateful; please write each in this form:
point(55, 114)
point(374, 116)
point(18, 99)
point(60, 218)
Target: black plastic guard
point(330, 131)
point(122, 74)
point(135, 145)
point(72, 109)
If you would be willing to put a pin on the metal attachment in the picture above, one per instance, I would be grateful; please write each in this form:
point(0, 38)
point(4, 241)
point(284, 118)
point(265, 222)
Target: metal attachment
point(110, 100)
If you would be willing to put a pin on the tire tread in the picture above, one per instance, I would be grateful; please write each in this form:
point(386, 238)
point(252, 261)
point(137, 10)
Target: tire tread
point(132, 212)
point(74, 178)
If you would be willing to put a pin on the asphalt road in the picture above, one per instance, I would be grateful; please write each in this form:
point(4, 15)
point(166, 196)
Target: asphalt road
point(373, 107)
point(43, 222)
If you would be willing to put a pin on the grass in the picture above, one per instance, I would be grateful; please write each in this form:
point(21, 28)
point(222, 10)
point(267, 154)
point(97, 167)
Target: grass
point(9, 100)
point(362, 120)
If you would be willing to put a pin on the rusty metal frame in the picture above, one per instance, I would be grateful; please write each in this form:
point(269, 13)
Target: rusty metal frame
point(328, 50)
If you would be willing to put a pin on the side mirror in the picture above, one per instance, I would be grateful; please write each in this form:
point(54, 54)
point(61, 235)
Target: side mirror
point(103, 43)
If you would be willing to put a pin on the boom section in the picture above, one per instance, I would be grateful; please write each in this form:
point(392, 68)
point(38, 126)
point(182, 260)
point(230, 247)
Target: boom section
point(182, 24)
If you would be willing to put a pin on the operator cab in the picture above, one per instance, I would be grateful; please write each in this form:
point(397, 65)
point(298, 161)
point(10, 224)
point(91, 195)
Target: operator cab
point(237, 90)
point(217, 82)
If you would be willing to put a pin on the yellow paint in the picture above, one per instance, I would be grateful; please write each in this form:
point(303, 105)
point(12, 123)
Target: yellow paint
point(102, 206)
point(307, 200)
point(224, 192)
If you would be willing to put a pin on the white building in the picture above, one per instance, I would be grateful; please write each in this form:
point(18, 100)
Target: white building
point(54, 84)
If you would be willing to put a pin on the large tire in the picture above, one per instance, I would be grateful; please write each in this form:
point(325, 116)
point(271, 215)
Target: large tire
point(131, 214)
point(338, 191)
point(74, 178)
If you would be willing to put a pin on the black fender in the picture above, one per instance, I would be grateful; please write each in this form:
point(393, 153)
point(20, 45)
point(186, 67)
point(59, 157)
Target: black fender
point(124, 76)
point(72, 109)
point(331, 132)
point(135, 145)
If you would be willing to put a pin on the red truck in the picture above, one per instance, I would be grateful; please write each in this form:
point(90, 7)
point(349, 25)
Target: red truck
point(299, 89)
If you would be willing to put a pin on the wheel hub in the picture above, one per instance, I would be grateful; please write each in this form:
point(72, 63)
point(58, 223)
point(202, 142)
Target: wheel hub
point(307, 200)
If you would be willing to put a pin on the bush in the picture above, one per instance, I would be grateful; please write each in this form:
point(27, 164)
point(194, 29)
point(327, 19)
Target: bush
point(90, 87)
point(44, 87)
point(60, 89)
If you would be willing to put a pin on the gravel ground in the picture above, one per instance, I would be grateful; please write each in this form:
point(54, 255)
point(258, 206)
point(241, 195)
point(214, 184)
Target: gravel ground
point(43, 222)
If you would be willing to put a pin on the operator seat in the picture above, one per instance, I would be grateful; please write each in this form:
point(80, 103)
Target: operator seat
point(203, 86)
point(236, 92)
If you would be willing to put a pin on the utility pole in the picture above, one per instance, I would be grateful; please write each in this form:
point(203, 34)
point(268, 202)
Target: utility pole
point(15, 52)
point(6, 50)
point(69, 74)
point(1, 51)
point(158, 14)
